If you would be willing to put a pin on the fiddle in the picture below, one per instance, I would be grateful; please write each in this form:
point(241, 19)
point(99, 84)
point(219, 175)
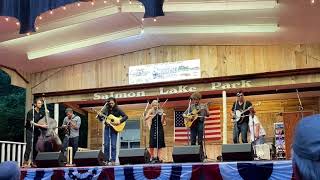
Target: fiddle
point(158, 111)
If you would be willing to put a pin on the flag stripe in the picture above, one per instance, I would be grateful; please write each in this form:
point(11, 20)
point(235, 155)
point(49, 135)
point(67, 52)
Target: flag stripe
point(212, 126)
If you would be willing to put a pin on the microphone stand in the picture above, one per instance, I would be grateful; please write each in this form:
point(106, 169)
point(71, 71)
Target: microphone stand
point(97, 117)
point(158, 113)
point(147, 158)
point(189, 110)
point(235, 123)
point(300, 104)
point(102, 109)
point(254, 137)
point(32, 137)
point(205, 157)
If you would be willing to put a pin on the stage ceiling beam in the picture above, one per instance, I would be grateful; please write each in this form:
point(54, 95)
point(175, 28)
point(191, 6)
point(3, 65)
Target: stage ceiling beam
point(75, 108)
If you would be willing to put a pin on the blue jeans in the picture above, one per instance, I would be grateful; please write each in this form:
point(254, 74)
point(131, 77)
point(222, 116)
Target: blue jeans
point(240, 128)
point(110, 135)
point(197, 131)
point(73, 142)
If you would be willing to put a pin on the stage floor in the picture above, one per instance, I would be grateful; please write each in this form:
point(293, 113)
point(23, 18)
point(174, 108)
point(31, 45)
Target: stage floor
point(252, 170)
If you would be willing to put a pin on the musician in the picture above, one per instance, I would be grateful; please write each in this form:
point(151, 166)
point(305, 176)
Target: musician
point(71, 125)
point(110, 135)
point(157, 118)
point(198, 128)
point(257, 132)
point(242, 125)
point(36, 115)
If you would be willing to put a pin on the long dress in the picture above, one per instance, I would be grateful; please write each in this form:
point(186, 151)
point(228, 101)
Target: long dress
point(156, 129)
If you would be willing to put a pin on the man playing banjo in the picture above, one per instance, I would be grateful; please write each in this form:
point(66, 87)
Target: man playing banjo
point(240, 114)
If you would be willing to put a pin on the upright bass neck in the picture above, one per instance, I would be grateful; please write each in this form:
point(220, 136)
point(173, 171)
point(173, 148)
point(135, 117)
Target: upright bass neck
point(46, 112)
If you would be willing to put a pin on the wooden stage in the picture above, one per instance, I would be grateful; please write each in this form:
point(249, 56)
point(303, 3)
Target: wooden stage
point(250, 170)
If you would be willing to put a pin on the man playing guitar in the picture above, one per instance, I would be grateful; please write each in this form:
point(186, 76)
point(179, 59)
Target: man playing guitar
point(110, 135)
point(202, 111)
point(71, 125)
point(240, 119)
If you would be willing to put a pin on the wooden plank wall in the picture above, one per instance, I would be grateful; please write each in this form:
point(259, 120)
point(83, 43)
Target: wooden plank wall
point(268, 112)
point(215, 61)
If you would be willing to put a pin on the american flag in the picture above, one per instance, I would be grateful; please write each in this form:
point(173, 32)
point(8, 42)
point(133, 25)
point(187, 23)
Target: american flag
point(212, 126)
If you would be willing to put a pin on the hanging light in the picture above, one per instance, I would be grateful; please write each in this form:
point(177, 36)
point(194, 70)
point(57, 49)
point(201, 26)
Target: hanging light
point(78, 4)
point(312, 1)
point(130, 2)
point(37, 28)
point(51, 12)
point(28, 34)
point(92, 3)
point(105, 2)
point(154, 20)
point(142, 19)
point(7, 19)
point(40, 17)
point(17, 23)
point(118, 1)
point(64, 8)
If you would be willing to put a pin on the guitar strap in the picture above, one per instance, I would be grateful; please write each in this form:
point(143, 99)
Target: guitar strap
point(235, 106)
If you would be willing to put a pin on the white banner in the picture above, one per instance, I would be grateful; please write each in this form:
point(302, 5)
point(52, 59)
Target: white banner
point(170, 71)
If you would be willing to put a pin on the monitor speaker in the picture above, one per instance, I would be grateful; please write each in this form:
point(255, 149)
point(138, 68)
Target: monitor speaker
point(237, 152)
point(187, 154)
point(89, 158)
point(134, 156)
point(50, 159)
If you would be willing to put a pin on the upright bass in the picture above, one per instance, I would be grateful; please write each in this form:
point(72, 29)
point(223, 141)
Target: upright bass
point(49, 140)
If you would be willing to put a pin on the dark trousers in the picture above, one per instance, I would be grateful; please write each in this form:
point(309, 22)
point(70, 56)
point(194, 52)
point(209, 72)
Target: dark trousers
point(73, 142)
point(240, 128)
point(197, 131)
point(29, 145)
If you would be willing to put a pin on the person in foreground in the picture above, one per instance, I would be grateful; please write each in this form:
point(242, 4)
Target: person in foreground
point(9, 170)
point(306, 148)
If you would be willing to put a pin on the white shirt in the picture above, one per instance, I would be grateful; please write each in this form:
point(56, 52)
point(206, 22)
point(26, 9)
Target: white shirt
point(254, 120)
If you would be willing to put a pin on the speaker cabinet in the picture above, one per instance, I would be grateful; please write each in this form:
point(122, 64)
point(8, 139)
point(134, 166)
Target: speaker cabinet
point(237, 152)
point(50, 159)
point(187, 154)
point(89, 158)
point(134, 156)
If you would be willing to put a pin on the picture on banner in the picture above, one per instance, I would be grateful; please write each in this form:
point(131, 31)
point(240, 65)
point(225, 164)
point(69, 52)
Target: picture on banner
point(170, 71)
point(280, 140)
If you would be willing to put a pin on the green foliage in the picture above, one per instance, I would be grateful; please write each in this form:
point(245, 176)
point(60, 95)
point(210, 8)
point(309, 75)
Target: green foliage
point(12, 110)
point(12, 113)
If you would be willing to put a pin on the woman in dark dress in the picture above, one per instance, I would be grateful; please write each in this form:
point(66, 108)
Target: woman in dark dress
point(156, 120)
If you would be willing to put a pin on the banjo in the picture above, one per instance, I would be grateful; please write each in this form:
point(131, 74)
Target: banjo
point(239, 114)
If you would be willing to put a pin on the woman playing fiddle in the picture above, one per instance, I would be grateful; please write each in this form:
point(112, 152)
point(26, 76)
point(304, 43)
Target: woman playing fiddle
point(156, 117)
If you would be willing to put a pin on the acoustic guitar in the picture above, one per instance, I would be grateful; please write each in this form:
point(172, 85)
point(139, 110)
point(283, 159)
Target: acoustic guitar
point(193, 116)
point(112, 121)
